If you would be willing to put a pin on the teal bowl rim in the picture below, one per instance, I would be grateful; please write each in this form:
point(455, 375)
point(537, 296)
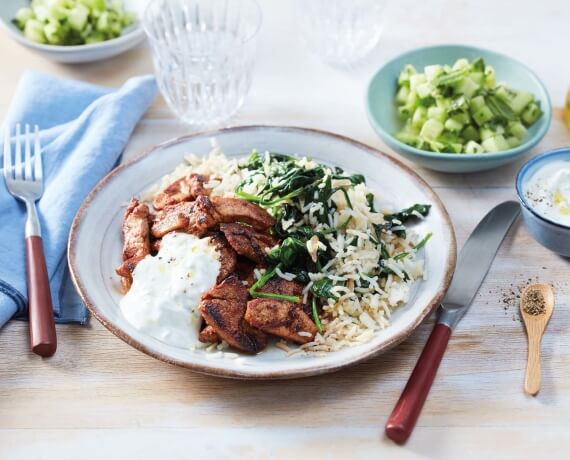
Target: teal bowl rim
point(527, 145)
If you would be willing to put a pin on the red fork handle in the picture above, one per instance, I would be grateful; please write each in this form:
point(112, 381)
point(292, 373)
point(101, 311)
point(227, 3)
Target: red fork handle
point(404, 416)
point(43, 340)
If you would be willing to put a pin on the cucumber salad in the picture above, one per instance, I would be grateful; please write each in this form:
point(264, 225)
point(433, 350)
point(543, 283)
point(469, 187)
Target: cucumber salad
point(462, 109)
point(72, 22)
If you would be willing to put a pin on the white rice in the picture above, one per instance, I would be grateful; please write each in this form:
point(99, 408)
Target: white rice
point(360, 309)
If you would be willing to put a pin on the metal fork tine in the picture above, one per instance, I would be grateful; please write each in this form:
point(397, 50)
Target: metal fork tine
point(18, 160)
point(7, 155)
point(28, 155)
point(38, 165)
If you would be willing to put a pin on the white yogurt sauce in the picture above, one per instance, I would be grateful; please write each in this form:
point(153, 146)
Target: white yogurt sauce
point(548, 191)
point(163, 299)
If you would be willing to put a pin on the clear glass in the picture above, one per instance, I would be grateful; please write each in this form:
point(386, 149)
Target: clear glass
point(203, 53)
point(342, 32)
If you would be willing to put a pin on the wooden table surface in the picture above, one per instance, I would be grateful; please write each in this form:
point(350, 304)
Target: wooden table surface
point(97, 398)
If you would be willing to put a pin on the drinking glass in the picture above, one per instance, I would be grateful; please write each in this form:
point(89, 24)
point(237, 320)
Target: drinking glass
point(341, 31)
point(203, 54)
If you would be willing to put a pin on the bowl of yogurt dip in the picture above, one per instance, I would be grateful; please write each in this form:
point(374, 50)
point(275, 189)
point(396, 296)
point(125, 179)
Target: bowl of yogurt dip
point(543, 189)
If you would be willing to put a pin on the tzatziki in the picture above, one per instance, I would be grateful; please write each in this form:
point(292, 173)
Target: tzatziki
point(548, 191)
point(166, 290)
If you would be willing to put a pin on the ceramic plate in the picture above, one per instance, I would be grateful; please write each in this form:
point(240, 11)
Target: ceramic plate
point(95, 244)
point(129, 38)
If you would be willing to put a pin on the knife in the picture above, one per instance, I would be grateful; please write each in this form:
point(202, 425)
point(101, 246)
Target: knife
point(473, 263)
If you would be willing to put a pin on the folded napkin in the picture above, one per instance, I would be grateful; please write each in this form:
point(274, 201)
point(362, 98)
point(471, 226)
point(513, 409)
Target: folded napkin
point(84, 129)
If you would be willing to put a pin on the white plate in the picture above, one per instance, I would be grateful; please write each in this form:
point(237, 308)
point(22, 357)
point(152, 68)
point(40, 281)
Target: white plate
point(95, 244)
point(129, 38)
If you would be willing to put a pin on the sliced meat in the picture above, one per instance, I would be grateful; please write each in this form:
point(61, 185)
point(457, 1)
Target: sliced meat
point(195, 218)
point(125, 271)
point(247, 242)
point(187, 188)
point(238, 210)
point(281, 318)
point(244, 271)
point(282, 286)
point(208, 335)
point(136, 238)
point(277, 285)
point(223, 308)
point(228, 257)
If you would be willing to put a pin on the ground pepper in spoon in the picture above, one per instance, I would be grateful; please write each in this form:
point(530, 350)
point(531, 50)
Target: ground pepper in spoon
point(537, 304)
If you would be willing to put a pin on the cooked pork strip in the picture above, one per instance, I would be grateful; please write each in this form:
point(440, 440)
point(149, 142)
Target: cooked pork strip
point(208, 335)
point(278, 285)
point(281, 318)
point(238, 210)
point(281, 286)
point(223, 308)
point(247, 242)
point(136, 240)
point(228, 257)
point(244, 271)
point(187, 188)
point(125, 271)
point(190, 217)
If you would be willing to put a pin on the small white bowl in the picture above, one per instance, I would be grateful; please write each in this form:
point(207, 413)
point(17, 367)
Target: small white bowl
point(130, 37)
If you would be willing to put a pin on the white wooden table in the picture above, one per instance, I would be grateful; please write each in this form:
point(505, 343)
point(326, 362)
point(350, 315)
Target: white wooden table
point(100, 399)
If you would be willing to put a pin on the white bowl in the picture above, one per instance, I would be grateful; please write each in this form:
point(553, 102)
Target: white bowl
point(130, 37)
point(95, 245)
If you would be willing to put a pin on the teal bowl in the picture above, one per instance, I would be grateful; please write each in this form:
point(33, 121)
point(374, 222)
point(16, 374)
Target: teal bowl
point(383, 116)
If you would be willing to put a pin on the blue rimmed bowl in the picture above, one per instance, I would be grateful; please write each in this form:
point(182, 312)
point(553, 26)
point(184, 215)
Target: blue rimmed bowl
point(383, 115)
point(550, 234)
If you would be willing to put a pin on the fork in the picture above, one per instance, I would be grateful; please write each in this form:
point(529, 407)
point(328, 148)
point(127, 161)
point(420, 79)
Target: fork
point(24, 180)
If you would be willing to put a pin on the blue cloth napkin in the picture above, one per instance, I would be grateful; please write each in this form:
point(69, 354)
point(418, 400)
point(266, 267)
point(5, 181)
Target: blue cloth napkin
point(84, 129)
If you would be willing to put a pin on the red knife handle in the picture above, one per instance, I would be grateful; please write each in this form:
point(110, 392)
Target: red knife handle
point(404, 416)
point(42, 326)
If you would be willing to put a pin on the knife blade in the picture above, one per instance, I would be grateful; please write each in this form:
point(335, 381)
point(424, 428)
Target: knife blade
point(473, 263)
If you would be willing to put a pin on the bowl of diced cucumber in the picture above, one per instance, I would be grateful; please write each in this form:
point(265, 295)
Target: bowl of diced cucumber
point(458, 109)
point(74, 31)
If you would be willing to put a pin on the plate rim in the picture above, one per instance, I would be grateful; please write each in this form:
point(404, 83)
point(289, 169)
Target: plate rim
point(256, 374)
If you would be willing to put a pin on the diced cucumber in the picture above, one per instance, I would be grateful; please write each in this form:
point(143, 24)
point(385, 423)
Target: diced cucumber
point(517, 129)
point(461, 64)
point(481, 115)
point(468, 87)
point(495, 144)
point(513, 141)
point(474, 147)
point(419, 117)
point(453, 125)
point(433, 71)
point(424, 90)
point(416, 80)
point(405, 74)
point(402, 95)
point(490, 79)
point(477, 77)
point(532, 113)
point(22, 16)
point(436, 113)
point(34, 30)
point(471, 133)
point(78, 16)
point(405, 112)
point(431, 129)
point(461, 117)
point(407, 138)
point(486, 133)
point(521, 100)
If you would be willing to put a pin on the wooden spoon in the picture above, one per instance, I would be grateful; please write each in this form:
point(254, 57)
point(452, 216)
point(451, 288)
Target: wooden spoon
point(535, 325)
